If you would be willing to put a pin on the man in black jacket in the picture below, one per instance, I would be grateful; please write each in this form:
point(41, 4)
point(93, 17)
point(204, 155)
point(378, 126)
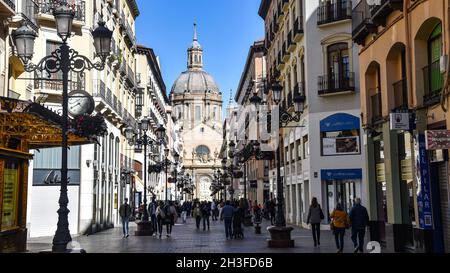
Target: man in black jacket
point(360, 220)
point(125, 213)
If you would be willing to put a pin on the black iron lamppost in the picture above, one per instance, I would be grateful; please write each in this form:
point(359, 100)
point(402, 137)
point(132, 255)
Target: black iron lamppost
point(280, 234)
point(176, 157)
point(64, 60)
point(144, 227)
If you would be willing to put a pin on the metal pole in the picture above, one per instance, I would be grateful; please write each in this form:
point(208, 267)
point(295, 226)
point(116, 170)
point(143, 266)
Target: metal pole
point(62, 235)
point(280, 221)
point(175, 181)
point(145, 217)
point(165, 165)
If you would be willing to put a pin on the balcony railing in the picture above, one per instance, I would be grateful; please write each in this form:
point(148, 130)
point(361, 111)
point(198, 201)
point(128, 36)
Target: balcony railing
point(381, 11)
point(109, 97)
point(46, 7)
point(376, 106)
point(298, 29)
point(332, 12)
point(77, 82)
point(29, 10)
point(400, 95)
point(290, 43)
point(131, 80)
point(433, 80)
point(336, 83)
point(11, 4)
point(119, 108)
point(362, 22)
point(130, 39)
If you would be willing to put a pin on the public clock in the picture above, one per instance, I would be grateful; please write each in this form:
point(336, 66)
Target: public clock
point(80, 103)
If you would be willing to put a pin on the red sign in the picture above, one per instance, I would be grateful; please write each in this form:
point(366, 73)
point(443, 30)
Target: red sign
point(437, 140)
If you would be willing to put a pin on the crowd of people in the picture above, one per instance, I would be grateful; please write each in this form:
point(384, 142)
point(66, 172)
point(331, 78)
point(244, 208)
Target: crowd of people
point(233, 214)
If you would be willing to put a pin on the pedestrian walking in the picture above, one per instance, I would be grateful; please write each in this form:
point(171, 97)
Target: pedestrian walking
point(221, 206)
point(206, 212)
point(184, 212)
point(340, 222)
point(213, 211)
point(125, 214)
point(238, 217)
point(272, 211)
point(152, 211)
point(359, 219)
point(227, 216)
point(160, 216)
point(171, 217)
point(197, 214)
point(315, 217)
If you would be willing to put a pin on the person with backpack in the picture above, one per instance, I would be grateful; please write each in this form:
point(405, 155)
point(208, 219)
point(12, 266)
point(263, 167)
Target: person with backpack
point(315, 216)
point(160, 216)
point(206, 212)
point(197, 214)
point(360, 220)
point(340, 222)
point(125, 214)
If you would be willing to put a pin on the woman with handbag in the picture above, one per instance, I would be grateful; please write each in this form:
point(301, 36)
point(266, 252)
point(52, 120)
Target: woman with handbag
point(315, 217)
point(340, 222)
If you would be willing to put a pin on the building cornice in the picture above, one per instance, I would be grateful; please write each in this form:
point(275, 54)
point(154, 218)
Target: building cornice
point(257, 47)
point(154, 66)
point(133, 8)
point(264, 8)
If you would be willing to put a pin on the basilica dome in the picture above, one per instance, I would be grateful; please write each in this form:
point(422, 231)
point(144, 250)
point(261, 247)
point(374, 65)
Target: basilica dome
point(195, 81)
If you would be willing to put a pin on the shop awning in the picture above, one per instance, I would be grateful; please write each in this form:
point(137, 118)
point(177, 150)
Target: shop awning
point(339, 122)
point(30, 121)
point(341, 174)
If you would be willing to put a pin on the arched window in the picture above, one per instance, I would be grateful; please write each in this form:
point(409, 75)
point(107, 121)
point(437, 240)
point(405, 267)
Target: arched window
point(436, 78)
point(202, 150)
point(338, 65)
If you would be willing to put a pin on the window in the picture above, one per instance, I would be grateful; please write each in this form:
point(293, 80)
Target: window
point(202, 150)
point(47, 166)
point(198, 113)
point(436, 78)
point(338, 62)
point(305, 147)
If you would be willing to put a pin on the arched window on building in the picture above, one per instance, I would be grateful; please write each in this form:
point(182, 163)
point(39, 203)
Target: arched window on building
point(202, 150)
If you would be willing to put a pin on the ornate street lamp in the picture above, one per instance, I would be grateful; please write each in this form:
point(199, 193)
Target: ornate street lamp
point(176, 157)
point(144, 227)
point(63, 60)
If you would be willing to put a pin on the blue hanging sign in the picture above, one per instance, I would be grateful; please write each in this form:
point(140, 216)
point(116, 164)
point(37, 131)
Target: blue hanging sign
point(341, 174)
point(423, 183)
point(339, 122)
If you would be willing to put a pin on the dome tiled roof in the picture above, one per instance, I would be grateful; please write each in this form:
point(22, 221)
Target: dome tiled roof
point(195, 81)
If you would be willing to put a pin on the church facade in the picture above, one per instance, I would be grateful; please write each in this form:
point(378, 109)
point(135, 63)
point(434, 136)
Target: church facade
point(197, 108)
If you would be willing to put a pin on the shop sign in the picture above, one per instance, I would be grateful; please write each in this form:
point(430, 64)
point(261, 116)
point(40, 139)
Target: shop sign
point(399, 121)
point(340, 145)
point(437, 139)
point(423, 183)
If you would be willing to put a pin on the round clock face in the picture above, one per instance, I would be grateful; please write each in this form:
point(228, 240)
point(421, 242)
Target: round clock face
point(80, 103)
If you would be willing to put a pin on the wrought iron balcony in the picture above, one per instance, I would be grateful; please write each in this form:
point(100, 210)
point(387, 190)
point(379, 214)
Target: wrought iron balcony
point(8, 7)
point(298, 29)
point(336, 83)
point(400, 95)
point(329, 12)
point(29, 9)
point(129, 37)
point(380, 12)
point(55, 84)
point(46, 8)
point(131, 80)
point(433, 81)
point(291, 43)
point(286, 53)
point(362, 23)
point(280, 62)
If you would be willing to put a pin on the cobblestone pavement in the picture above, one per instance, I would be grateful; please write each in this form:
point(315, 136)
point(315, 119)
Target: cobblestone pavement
point(187, 239)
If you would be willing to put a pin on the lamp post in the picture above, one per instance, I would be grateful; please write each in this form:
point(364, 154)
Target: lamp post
point(144, 227)
point(280, 234)
point(176, 157)
point(64, 60)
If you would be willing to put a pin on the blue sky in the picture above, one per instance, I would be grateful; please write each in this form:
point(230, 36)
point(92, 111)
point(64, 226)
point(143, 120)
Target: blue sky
point(226, 30)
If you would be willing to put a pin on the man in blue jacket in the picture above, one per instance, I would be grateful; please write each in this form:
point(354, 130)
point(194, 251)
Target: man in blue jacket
point(360, 220)
point(227, 216)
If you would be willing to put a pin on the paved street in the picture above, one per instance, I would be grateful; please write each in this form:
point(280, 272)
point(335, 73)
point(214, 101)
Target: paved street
point(186, 238)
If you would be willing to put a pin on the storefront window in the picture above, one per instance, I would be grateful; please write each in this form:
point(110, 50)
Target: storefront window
point(340, 143)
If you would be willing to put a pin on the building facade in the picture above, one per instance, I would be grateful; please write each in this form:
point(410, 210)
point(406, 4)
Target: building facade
point(403, 52)
point(256, 171)
point(310, 52)
point(197, 108)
